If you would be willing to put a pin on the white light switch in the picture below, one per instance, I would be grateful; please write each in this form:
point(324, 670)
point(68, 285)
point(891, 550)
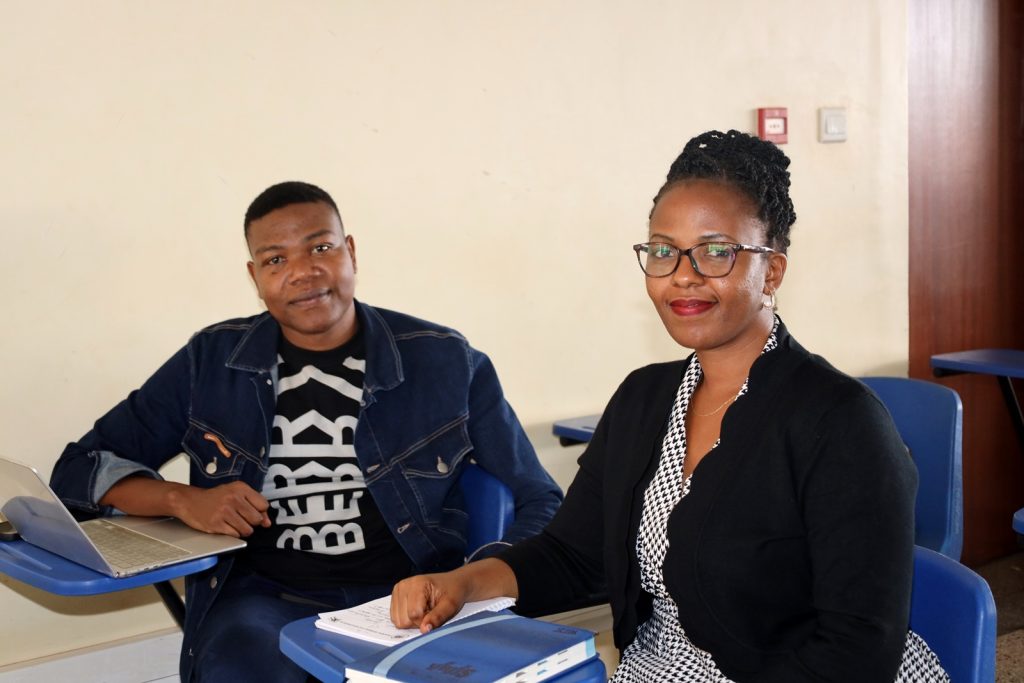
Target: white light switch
point(832, 124)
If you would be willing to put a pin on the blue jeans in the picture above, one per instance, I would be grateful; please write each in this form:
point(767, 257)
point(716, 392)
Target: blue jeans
point(238, 640)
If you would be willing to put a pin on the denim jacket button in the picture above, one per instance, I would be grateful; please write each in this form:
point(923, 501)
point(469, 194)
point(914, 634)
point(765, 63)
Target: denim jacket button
point(262, 451)
point(442, 466)
point(211, 467)
point(213, 582)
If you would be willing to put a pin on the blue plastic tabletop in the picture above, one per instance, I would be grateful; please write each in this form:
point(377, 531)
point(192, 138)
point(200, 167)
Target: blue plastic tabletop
point(576, 429)
point(40, 568)
point(325, 654)
point(1001, 362)
point(1006, 364)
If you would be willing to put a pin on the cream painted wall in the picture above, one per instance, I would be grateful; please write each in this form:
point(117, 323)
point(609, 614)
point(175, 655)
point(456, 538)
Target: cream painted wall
point(494, 161)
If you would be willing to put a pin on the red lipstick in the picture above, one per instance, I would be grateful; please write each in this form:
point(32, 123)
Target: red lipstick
point(686, 307)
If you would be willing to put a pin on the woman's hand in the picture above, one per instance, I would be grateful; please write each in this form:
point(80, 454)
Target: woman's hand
point(429, 600)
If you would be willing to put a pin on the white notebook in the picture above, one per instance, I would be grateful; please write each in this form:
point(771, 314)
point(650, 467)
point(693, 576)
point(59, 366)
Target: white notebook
point(372, 620)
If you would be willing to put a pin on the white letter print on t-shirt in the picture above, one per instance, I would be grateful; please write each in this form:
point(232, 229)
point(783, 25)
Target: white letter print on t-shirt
point(315, 488)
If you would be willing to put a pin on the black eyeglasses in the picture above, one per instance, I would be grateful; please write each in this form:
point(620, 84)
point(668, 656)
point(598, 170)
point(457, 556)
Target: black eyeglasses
point(709, 259)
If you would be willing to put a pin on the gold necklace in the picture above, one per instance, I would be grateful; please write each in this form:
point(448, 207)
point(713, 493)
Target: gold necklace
point(727, 402)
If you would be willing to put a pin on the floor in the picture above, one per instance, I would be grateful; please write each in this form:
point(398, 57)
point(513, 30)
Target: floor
point(149, 658)
point(1006, 577)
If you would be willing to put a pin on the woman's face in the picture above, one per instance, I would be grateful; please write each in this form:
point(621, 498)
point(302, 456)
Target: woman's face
point(704, 313)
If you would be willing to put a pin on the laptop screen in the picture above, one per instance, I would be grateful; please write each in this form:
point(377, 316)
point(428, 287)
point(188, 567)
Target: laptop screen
point(41, 518)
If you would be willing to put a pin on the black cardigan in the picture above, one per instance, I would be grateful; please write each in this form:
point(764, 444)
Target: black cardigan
point(790, 560)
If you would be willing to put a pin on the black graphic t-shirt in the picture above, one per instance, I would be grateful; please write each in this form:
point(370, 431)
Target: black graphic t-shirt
point(326, 529)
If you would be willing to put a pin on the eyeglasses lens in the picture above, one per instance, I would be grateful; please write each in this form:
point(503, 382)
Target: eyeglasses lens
point(658, 259)
point(712, 259)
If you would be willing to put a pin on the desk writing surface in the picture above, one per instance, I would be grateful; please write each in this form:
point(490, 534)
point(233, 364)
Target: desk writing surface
point(1001, 362)
point(1006, 365)
point(576, 429)
point(52, 573)
point(324, 654)
point(320, 652)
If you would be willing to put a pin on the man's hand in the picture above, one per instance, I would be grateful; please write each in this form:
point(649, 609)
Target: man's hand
point(233, 509)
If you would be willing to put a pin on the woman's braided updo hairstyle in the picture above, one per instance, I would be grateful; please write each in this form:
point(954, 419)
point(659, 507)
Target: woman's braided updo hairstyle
point(753, 166)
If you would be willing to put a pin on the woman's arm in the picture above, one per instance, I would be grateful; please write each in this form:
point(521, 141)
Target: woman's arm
point(858, 501)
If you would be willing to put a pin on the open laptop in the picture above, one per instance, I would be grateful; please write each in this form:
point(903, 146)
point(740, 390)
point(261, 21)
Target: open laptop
point(115, 546)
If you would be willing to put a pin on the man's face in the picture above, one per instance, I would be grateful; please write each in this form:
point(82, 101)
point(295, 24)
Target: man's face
point(304, 269)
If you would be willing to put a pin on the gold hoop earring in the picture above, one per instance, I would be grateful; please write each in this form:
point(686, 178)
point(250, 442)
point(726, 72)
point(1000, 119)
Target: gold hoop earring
point(771, 300)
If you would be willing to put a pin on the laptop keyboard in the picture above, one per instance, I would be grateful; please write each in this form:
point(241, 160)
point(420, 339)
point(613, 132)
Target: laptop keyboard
point(129, 550)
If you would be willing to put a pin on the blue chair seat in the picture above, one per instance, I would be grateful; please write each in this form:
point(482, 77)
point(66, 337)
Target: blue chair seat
point(929, 418)
point(490, 505)
point(952, 609)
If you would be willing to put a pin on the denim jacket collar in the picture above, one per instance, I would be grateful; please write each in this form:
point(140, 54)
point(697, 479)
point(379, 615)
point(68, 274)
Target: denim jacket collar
point(383, 361)
point(257, 351)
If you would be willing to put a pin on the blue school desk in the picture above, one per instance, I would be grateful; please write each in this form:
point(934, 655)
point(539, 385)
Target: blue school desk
point(575, 430)
point(44, 570)
point(1004, 364)
point(324, 654)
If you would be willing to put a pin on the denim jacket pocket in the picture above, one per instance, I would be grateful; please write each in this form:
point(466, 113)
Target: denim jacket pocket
point(213, 456)
point(437, 455)
point(431, 467)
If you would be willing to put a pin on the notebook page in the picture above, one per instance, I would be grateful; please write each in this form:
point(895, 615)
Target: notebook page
point(372, 620)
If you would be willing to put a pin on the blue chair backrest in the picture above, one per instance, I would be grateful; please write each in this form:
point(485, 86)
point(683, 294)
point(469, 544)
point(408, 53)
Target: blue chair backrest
point(490, 505)
point(929, 418)
point(952, 609)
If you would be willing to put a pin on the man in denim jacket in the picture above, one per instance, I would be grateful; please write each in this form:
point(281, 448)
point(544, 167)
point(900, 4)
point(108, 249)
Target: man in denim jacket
point(327, 432)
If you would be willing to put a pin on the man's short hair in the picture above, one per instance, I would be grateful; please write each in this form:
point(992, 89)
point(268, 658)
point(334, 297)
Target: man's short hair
point(285, 194)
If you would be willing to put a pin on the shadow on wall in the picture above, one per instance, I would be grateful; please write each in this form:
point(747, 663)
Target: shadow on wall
point(559, 461)
point(88, 605)
point(886, 370)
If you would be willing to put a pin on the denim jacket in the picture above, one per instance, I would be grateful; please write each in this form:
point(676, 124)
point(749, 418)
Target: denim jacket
point(430, 402)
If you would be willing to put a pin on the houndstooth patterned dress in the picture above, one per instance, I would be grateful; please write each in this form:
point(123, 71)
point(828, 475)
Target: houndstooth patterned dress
point(661, 650)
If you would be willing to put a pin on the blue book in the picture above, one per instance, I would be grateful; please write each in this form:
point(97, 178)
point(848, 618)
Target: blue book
point(484, 648)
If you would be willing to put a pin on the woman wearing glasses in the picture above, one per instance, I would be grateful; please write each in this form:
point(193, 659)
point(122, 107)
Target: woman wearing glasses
point(749, 509)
